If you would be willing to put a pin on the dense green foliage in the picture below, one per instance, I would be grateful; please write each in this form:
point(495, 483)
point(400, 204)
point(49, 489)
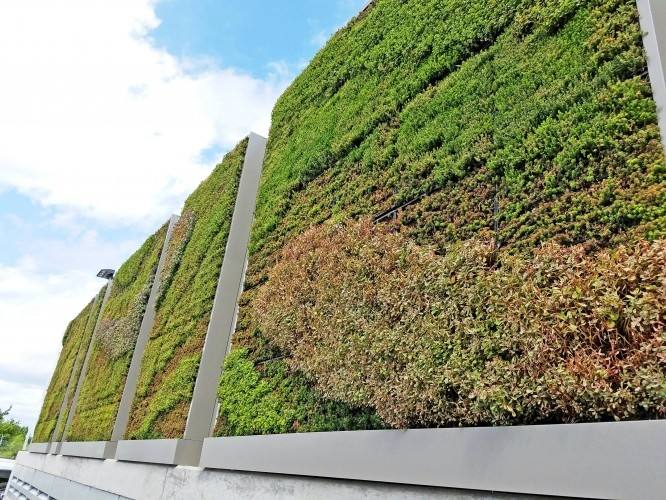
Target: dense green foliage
point(272, 401)
point(531, 120)
point(61, 388)
point(12, 436)
point(114, 343)
point(171, 359)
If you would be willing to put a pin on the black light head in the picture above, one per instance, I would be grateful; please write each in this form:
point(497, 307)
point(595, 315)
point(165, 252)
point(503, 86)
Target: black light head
point(107, 274)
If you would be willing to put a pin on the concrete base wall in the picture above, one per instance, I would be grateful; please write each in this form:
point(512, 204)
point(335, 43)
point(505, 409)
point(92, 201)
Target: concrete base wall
point(43, 476)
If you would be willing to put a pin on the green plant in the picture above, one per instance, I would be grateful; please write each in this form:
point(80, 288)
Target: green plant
point(113, 347)
point(171, 359)
point(273, 401)
point(61, 388)
point(518, 123)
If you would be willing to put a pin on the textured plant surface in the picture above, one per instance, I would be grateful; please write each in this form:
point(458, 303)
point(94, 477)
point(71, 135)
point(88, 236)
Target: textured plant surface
point(471, 337)
point(181, 233)
point(531, 120)
point(75, 343)
point(264, 397)
point(171, 359)
point(118, 329)
point(519, 283)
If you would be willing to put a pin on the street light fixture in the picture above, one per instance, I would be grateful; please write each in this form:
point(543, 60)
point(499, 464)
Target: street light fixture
point(106, 274)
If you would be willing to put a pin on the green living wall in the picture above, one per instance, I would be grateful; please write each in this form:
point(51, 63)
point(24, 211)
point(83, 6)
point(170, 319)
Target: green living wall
point(188, 285)
point(522, 282)
point(74, 346)
point(114, 343)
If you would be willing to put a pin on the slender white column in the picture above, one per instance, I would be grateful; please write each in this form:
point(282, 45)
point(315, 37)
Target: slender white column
point(653, 24)
point(122, 418)
point(220, 328)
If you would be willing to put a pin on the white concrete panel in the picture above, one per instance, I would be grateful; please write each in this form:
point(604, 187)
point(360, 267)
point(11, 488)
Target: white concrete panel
point(39, 447)
point(152, 482)
point(89, 449)
point(160, 451)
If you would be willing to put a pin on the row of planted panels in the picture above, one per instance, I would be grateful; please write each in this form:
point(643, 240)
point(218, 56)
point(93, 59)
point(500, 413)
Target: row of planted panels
point(184, 293)
point(523, 280)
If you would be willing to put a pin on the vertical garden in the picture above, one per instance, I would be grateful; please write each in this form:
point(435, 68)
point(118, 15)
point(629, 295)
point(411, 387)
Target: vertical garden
point(63, 382)
point(114, 343)
point(518, 275)
point(185, 301)
point(461, 222)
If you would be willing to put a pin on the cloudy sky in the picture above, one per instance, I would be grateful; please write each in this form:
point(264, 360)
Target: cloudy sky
point(110, 114)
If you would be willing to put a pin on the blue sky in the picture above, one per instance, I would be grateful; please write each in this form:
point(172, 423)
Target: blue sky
point(112, 113)
point(251, 34)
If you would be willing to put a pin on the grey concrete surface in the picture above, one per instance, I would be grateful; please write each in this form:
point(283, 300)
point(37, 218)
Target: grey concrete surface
point(89, 449)
point(160, 451)
point(600, 460)
point(653, 24)
point(129, 391)
point(223, 314)
point(39, 447)
point(106, 478)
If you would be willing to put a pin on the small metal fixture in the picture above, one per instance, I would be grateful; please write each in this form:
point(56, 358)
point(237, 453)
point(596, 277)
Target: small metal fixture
point(107, 274)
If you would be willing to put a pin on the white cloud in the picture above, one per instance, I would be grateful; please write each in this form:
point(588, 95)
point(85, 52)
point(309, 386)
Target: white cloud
point(109, 132)
point(34, 312)
point(39, 295)
point(98, 120)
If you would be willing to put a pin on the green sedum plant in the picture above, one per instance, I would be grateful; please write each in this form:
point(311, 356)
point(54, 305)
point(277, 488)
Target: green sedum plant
point(114, 343)
point(502, 127)
point(273, 400)
point(195, 254)
point(75, 343)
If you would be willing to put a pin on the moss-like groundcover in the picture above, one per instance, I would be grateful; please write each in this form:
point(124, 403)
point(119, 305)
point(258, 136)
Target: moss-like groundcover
point(192, 269)
point(502, 126)
point(74, 346)
point(113, 347)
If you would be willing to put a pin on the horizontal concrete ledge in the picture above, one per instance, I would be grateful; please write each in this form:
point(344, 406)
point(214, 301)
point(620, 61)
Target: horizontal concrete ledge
point(39, 447)
point(72, 478)
point(90, 449)
point(160, 451)
point(600, 460)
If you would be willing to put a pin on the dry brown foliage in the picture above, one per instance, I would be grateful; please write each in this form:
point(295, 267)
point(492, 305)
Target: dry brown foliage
point(471, 338)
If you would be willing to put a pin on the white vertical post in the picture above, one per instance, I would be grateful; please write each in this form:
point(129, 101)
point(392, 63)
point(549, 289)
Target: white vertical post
point(84, 370)
point(122, 417)
point(653, 24)
point(220, 327)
